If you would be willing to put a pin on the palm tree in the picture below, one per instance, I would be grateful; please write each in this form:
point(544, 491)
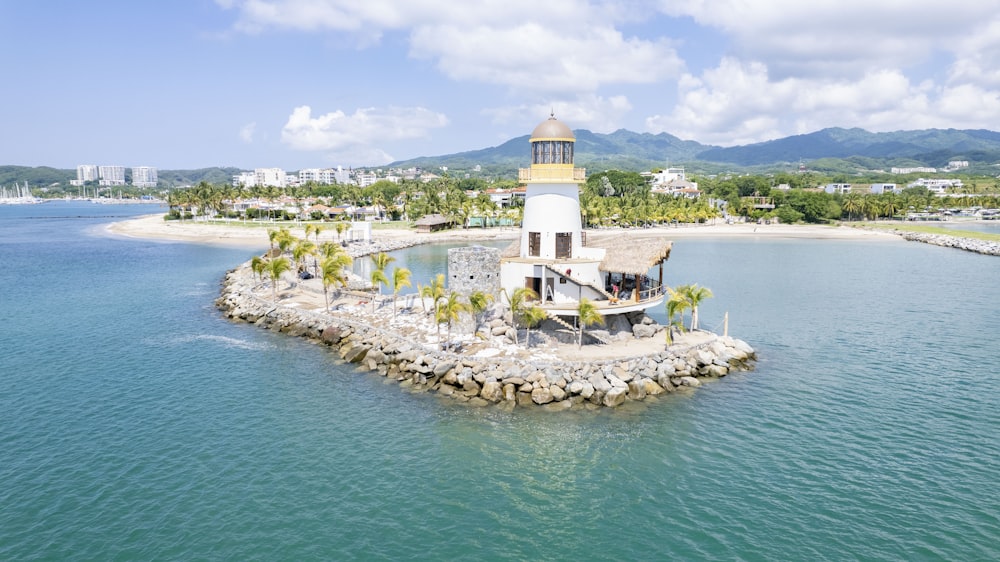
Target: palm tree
point(587, 315)
point(341, 227)
point(272, 236)
point(274, 268)
point(302, 249)
point(448, 310)
point(434, 291)
point(531, 316)
point(676, 305)
point(257, 265)
point(852, 204)
point(332, 272)
point(381, 261)
point(516, 301)
point(695, 295)
point(378, 278)
point(479, 302)
point(400, 279)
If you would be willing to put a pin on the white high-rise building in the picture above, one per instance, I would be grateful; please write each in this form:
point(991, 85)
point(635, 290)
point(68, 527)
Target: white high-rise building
point(245, 179)
point(270, 176)
point(111, 175)
point(325, 176)
point(85, 173)
point(144, 176)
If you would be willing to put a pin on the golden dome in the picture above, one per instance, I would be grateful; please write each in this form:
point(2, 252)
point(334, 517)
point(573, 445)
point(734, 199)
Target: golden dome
point(552, 128)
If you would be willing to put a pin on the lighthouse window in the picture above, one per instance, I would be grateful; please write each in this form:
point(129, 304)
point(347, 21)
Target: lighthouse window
point(534, 243)
point(564, 244)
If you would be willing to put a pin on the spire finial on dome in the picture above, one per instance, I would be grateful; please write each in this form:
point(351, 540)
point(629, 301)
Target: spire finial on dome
point(552, 113)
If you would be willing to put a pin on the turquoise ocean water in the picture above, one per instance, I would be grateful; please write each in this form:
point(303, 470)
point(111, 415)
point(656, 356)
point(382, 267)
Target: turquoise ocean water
point(137, 424)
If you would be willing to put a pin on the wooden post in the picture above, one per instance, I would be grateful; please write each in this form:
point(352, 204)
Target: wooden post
point(725, 325)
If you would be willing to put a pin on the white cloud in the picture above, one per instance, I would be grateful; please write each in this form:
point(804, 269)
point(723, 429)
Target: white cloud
point(829, 33)
point(738, 103)
point(530, 57)
point(591, 112)
point(359, 133)
point(247, 132)
point(562, 46)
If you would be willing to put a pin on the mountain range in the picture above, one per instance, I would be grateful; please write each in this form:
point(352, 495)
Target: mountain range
point(832, 148)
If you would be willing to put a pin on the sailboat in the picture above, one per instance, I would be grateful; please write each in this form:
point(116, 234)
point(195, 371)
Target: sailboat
point(18, 195)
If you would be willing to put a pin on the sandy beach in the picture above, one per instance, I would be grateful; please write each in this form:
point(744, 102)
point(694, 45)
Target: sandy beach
point(255, 236)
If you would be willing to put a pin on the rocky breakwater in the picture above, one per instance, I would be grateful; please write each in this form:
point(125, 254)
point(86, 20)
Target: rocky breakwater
point(503, 381)
point(987, 247)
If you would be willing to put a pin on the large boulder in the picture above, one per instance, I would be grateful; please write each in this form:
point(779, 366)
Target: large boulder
point(541, 396)
point(492, 391)
point(615, 396)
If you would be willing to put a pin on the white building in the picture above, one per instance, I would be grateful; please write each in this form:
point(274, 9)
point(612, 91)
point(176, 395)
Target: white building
point(918, 170)
point(245, 179)
point(672, 181)
point(937, 186)
point(880, 188)
point(342, 176)
point(364, 179)
point(841, 188)
point(270, 177)
point(85, 173)
point(553, 259)
point(144, 176)
point(321, 176)
point(111, 175)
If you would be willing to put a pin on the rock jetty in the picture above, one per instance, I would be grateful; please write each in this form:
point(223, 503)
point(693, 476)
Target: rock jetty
point(968, 244)
point(504, 381)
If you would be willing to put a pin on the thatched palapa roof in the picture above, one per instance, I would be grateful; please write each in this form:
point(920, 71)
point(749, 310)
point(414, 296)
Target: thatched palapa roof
point(632, 254)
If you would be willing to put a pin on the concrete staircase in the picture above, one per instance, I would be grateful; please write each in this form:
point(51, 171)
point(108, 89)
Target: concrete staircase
point(579, 282)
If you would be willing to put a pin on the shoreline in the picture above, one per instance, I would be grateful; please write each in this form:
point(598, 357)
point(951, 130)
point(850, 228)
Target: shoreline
point(153, 227)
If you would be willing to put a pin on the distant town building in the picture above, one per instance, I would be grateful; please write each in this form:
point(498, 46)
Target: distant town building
point(672, 181)
point(245, 179)
point(880, 188)
point(85, 173)
point(144, 176)
point(842, 188)
point(111, 175)
point(937, 186)
point(956, 165)
point(321, 176)
point(365, 179)
point(270, 177)
point(919, 170)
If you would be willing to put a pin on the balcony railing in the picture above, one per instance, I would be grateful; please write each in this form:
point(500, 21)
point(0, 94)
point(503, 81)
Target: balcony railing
point(552, 174)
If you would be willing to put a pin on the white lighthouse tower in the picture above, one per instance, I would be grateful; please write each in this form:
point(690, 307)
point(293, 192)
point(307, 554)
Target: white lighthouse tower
point(554, 258)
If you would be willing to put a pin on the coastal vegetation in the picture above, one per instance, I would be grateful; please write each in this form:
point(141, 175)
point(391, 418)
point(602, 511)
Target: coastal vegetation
point(608, 199)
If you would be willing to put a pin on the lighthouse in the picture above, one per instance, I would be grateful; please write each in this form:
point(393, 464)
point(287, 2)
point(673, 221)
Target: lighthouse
point(554, 259)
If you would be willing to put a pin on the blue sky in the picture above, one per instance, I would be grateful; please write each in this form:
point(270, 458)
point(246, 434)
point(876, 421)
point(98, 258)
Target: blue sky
point(318, 83)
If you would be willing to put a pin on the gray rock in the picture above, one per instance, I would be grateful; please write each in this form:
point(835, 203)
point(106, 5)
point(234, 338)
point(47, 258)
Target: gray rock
point(541, 396)
point(643, 330)
point(615, 397)
point(492, 391)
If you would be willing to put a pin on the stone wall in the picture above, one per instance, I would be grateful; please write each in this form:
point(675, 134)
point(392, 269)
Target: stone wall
point(968, 244)
point(505, 382)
